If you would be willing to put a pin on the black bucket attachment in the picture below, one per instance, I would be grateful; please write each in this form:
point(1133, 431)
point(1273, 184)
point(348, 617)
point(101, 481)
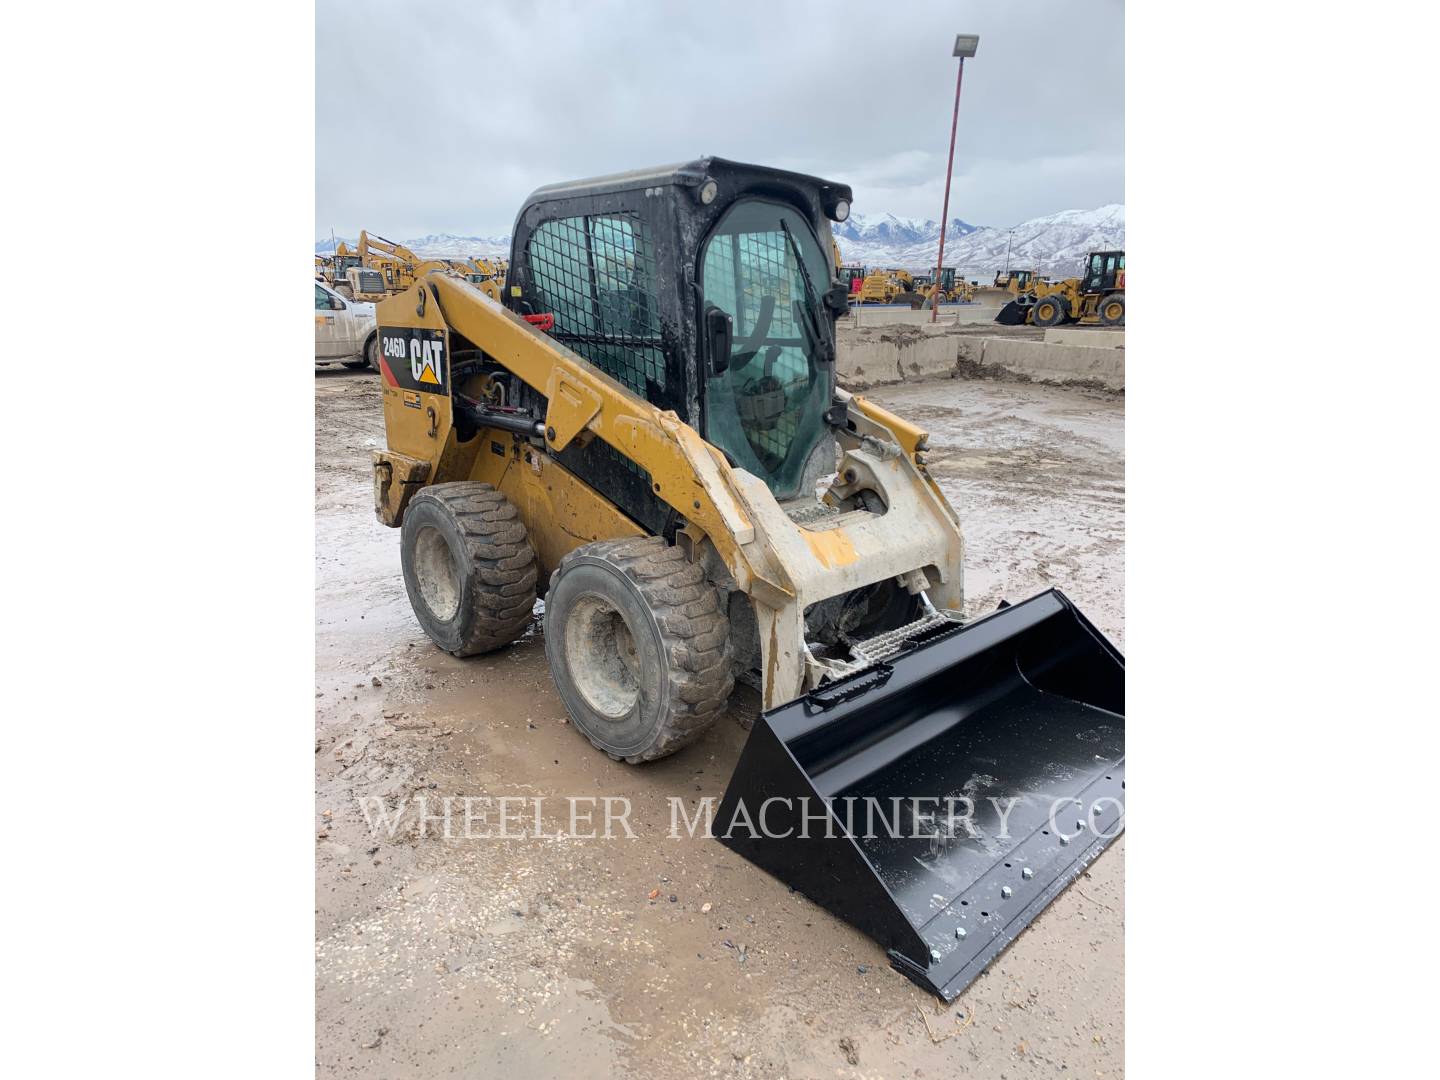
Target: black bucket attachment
point(856, 794)
point(1012, 314)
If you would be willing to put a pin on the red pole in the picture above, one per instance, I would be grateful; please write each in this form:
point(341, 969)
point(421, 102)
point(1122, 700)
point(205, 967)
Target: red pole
point(945, 215)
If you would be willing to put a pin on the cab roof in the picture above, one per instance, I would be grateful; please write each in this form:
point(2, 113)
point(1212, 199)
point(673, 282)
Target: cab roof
point(685, 174)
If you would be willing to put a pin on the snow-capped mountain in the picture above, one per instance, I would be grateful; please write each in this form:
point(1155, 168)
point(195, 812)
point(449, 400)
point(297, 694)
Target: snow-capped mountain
point(1055, 244)
point(437, 246)
point(889, 231)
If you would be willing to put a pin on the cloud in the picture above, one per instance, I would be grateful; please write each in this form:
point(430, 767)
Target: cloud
point(443, 117)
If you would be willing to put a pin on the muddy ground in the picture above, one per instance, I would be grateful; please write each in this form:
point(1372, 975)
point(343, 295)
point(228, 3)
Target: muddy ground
point(655, 956)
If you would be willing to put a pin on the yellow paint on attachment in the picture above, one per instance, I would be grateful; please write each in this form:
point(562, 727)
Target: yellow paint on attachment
point(832, 548)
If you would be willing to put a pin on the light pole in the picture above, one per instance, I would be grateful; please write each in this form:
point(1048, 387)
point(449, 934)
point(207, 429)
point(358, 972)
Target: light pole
point(965, 45)
point(1008, 237)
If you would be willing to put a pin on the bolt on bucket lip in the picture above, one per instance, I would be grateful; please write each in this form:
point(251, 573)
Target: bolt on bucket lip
point(990, 918)
point(1025, 704)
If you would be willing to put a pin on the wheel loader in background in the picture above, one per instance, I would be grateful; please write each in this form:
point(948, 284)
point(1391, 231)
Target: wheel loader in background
point(953, 289)
point(333, 269)
point(487, 275)
point(1016, 282)
point(637, 434)
point(852, 277)
point(1095, 299)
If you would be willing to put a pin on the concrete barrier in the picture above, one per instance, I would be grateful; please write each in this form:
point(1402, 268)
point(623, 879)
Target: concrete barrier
point(1093, 337)
point(876, 355)
point(1057, 363)
point(880, 355)
point(950, 315)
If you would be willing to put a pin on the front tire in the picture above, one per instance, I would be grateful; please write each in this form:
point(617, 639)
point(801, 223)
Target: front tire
point(1048, 311)
point(638, 645)
point(469, 568)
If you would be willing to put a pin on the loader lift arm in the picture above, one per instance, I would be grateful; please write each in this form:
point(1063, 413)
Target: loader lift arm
point(583, 398)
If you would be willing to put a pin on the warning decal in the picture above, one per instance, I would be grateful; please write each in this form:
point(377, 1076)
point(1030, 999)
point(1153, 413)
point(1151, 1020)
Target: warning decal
point(413, 358)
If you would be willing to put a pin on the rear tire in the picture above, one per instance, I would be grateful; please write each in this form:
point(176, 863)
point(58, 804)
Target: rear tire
point(1112, 310)
point(1049, 311)
point(639, 646)
point(469, 568)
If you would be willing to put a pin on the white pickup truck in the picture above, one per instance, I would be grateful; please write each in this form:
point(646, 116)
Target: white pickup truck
point(344, 330)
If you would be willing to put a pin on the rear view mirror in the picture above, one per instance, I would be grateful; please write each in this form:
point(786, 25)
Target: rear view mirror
point(719, 334)
point(336, 304)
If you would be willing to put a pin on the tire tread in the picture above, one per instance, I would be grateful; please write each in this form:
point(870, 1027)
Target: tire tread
point(504, 570)
point(694, 631)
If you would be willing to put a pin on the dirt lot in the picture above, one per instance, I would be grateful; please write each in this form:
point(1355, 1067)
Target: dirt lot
point(538, 957)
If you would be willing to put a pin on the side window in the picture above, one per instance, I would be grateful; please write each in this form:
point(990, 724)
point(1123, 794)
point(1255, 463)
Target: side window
point(322, 299)
point(596, 274)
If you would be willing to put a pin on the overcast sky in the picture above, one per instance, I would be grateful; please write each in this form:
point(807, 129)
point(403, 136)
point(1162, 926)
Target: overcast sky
point(442, 117)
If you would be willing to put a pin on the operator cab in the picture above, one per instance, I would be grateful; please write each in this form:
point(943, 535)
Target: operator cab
point(1104, 272)
point(1021, 278)
point(707, 289)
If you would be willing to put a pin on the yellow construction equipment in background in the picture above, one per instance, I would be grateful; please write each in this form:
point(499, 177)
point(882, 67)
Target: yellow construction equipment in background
point(952, 289)
point(1096, 299)
point(379, 267)
point(488, 276)
point(878, 287)
point(334, 268)
point(1016, 282)
point(395, 263)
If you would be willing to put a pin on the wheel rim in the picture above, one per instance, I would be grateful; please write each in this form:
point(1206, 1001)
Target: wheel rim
point(436, 574)
point(1112, 311)
point(600, 653)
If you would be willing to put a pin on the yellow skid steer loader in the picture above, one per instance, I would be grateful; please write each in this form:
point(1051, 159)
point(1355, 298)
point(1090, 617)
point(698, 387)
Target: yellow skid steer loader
point(647, 433)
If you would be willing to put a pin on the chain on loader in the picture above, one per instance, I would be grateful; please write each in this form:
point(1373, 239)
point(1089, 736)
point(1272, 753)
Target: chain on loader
point(647, 433)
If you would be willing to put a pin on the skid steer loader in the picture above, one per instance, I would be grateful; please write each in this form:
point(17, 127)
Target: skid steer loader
point(638, 434)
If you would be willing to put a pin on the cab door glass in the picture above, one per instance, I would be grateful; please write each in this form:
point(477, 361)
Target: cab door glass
point(764, 268)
